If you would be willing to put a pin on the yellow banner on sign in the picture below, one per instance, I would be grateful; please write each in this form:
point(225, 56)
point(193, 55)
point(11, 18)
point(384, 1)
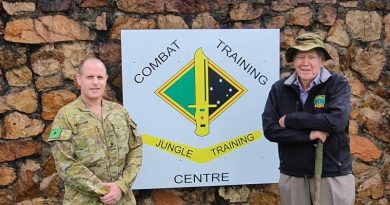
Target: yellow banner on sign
point(202, 155)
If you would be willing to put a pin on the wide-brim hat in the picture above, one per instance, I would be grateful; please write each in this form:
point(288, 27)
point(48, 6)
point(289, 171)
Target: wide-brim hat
point(306, 42)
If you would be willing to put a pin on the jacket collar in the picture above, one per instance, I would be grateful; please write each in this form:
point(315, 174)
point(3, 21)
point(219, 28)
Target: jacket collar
point(83, 106)
point(324, 76)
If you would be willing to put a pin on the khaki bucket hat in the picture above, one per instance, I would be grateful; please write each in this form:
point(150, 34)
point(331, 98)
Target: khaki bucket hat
point(306, 42)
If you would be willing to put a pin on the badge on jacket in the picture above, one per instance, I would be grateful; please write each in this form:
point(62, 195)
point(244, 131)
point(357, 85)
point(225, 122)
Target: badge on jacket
point(319, 101)
point(55, 133)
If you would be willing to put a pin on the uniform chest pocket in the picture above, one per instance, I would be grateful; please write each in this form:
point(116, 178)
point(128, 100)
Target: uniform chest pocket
point(122, 134)
point(88, 144)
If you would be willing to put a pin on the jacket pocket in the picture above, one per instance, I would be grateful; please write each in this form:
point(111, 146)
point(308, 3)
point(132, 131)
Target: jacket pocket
point(332, 164)
point(122, 134)
point(88, 145)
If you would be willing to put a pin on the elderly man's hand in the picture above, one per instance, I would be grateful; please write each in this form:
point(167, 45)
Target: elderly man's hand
point(281, 121)
point(318, 135)
point(113, 196)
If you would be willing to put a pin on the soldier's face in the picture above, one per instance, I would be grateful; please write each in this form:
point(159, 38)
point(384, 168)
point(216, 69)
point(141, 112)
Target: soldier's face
point(307, 65)
point(92, 80)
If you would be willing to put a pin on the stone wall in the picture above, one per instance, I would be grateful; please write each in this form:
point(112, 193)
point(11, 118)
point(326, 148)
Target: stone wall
point(42, 42)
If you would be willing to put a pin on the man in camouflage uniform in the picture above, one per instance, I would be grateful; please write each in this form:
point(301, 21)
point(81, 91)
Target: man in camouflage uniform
point(95, 145)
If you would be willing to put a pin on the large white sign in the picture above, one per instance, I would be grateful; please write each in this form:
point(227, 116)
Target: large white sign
point(197, 97)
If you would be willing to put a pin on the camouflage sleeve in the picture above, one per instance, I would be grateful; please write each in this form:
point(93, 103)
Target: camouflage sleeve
point(73, 172)
point(133, 159)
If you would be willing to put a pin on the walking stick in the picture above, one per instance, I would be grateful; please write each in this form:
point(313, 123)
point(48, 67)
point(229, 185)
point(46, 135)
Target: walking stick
point(318, 172)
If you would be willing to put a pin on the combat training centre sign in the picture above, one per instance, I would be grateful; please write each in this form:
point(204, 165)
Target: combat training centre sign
point(197, 97)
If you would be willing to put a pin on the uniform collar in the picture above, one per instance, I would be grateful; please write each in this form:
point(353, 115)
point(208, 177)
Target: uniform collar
point(105, 108)
point(83, 106)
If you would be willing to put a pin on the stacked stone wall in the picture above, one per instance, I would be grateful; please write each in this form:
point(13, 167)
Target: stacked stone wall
point(43, 41)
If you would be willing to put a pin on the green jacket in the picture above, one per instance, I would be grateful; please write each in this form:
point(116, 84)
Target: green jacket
point(89, 150)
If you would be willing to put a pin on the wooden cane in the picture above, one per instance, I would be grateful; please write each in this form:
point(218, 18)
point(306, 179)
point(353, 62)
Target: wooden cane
point(318, 172)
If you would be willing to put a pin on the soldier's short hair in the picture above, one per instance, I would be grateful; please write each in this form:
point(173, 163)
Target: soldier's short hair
point(93, 59)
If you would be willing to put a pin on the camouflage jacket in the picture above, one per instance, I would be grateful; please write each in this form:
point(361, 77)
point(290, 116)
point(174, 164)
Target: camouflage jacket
point(89, 150)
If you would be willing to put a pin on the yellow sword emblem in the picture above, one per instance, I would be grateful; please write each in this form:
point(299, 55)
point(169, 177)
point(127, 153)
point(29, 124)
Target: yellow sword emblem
point(202, 93)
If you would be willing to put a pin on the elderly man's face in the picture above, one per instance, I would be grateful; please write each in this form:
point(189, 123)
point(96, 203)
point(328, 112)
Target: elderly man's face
point(307, 64)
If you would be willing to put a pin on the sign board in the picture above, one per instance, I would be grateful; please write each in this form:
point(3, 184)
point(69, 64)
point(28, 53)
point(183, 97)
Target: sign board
point(197, 97)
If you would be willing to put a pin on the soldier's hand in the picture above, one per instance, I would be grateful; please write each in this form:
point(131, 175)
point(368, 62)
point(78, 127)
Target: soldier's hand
point(113, 196)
